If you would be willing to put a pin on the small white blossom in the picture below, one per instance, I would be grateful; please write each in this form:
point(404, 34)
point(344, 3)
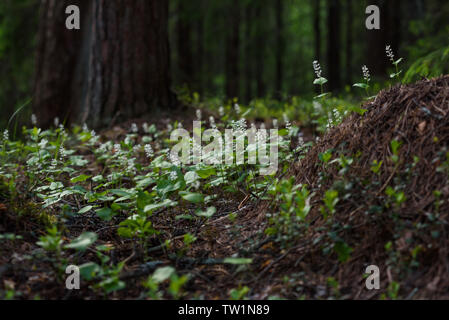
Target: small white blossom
point(275, 123)
point(317, 68)
point(237, 108)
point(134, 128)
point(198, 114)
point(180, 125)
point(212, 122)
point(33, 119)
point(56, 121)
point(145, 127)
point(5, 135)
point(390, 53)
point(221, 111)
point(175, 160)
point(85, 128)
point(173, 176)
point(149, 151)
point(43, 143)
point(366, 74)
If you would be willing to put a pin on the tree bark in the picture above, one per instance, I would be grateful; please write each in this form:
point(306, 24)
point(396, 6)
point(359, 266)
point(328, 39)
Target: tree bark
point(317, 27)
point(280, 47)
point(333, 48)
point(248, 53)
point(56, 59)
point(349, 41)
point(184, 45)
point(232, 51)
point(116, 65)
point(260, 50)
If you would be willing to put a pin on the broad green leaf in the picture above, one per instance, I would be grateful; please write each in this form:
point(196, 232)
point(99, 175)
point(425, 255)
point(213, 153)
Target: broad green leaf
point(192, 197)
point(361, 85)
point(163, 204)
point(238, 260)
point(162, 274)
point(105, 213)
point(208, 213)
point(206, 172)
point(320, 81)
point(85, 209)
point(83, 241)
point(80, 178)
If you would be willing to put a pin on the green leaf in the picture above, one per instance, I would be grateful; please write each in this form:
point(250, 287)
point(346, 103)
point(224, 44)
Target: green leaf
point(162, 274)
point(83, 241)
point(206, 173)
point(89, 270)
point(320, 81)
point(85, 209)
point(191, 177)
point(105, 213)
point(192, 197)
point(238, 260)
point(208, 213)
point(80, 178)
point(322, 95)
point(163, 204)
point(361, 85)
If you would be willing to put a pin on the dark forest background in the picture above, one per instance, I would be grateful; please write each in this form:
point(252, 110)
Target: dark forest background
point(249, 49)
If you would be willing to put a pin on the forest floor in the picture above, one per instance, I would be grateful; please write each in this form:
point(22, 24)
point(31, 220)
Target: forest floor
point(373, 190)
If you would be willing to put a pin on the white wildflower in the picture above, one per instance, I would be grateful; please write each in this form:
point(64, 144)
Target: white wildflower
point(134, 128)
point(275, 123)
point(173, 176)
point(198, 114)
point(56, 121)
point(145, 127)
point(33, 119)
point(85, 128)
point(237, 108)
point(175, 160)
point(180, 125)
point(212, 122)
point(5, 135)
point(221, 111)
point(149, 151)
point(317, 68)
point(366, 74)
point(390, 53)
point(43, 143)
point(137, 148)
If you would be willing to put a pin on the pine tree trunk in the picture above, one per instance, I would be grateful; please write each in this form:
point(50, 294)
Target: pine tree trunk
point(117, 65)
point(280, 46)
point(56, 58)
point(232, 51)
point(334, 43)
point(184, 45)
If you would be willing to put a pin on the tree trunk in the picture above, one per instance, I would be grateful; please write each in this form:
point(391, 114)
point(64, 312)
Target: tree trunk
point(280, 46)
point(200, 48)
point(248, 53)
point(232, 51)
point(116, 65)
point(349, 41)
point(317, 27)
point(184, 45)
point(333, 47)
point(56, 58)
point(260, 50)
